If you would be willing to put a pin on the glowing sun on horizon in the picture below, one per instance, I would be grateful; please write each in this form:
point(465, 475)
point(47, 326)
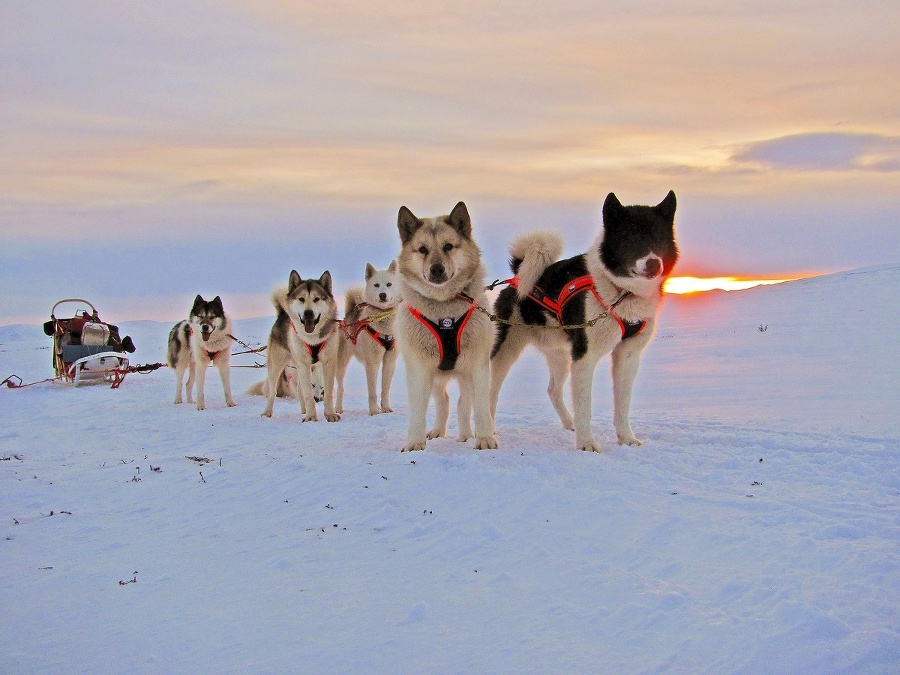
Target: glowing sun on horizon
point(682, 285)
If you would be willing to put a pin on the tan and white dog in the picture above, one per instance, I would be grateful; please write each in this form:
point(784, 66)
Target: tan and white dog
point(287, 384)
point(368, 334)
point(304, 334)
point(618, 282)
point(204, 338)
point(439, 333)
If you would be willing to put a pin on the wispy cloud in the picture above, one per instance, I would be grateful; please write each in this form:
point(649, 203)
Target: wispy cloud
point(832, 151)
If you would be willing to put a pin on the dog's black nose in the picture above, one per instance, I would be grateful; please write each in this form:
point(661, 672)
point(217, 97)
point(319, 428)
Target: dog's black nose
point(382, 297)
point(437, 271)
point(652, 268)
point(308, 314)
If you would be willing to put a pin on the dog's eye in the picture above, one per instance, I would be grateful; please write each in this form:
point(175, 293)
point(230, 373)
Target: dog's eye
point(377, 285)
point(389, 284)
point(315, 300)
point(448, 247)
point(423, 250)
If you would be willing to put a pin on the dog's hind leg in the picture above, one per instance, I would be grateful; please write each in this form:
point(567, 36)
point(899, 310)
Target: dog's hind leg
point(559, 363)
point(505, 354)
point(276, 361)
point(343, 361)
point(179, 380)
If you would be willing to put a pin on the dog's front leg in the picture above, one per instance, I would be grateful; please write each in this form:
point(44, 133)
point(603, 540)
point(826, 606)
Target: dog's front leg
point(582, 384)
point(223, 363)
point(419, 379)
point(328, 370)
point(626, 359)
point(371, 366)
point(388, 365)
point(202, 365)
point(304, 393)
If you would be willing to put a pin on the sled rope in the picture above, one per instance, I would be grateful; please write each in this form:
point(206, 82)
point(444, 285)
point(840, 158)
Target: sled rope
point(248, 348)
point(18, 384)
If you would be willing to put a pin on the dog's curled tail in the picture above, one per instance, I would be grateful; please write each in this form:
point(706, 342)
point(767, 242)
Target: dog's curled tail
point(258, 389)
point(352, 298)
point(530, 254)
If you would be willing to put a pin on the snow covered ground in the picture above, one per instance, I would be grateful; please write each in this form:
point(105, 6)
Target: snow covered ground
point(756, 530)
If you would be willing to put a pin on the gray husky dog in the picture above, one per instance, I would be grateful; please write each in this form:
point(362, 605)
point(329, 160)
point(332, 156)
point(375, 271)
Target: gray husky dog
point(303, 335)
point(368, 334)
point(287, 384)
point(440, 334)
point(193, 344)
point(619, 280)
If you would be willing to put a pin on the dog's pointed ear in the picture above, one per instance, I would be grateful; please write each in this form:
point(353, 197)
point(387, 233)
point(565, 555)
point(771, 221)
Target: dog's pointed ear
point(459, 219)
point(197, 302)
point(392, 268)
point(612, 209)
point(370, 271)
point(217, 303)
point(407, 224)
point(325, 281)
point(666, 208)
point(294, 280)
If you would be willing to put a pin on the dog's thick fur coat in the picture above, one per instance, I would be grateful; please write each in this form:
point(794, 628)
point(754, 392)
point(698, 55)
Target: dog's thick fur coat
point(304, 333)
point(204, 338)
point(629, 261)
point(375, 348)
point(439, 267)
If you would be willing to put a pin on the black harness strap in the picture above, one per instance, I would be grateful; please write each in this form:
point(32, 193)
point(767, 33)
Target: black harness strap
point(387, 341)
point(448, 333)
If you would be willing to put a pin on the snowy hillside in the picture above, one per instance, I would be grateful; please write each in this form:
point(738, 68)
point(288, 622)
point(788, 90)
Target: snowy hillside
point(756, 530)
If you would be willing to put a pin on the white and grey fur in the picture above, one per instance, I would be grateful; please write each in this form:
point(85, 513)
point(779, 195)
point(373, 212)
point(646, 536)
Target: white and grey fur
point(439, 260)
point(306, 318)
point(195, 343)
point(380, 295)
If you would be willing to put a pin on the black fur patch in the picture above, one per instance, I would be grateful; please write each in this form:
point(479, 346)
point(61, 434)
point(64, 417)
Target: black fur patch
point(551, 282)
point(632, 232)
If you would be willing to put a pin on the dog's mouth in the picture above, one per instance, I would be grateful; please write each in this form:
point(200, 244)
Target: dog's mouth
point(310, 322)
point(206, 332)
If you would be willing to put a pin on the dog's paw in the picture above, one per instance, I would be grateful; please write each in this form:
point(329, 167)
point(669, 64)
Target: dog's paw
point(628, 440)
point(339, 410)
point(200, 406)
point(413, 446)
point(332, 417)
point(462, 438)
point(386, 409)
point(231, 404)
point(436, 433)
point(486, 443)
point(590, 445)
point(178, 400)
point(374, 411)
point(311, 417)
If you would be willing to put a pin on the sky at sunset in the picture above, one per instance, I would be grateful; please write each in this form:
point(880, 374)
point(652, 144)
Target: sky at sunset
point(153, 151)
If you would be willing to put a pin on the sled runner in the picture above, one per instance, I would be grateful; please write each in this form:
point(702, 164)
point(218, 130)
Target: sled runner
point(86, 348)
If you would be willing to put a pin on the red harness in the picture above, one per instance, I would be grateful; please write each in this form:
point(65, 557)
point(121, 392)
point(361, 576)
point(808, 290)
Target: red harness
point(354, 328)
point(448, 333)
point(312, 349)
point(573, 288)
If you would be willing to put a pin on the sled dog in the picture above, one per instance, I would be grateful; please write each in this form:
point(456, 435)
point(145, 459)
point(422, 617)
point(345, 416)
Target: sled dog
point(303, 334)
point(368, 334)
point(287, 384)
point(619, 279)
point(439, 333)
point(204, 338)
